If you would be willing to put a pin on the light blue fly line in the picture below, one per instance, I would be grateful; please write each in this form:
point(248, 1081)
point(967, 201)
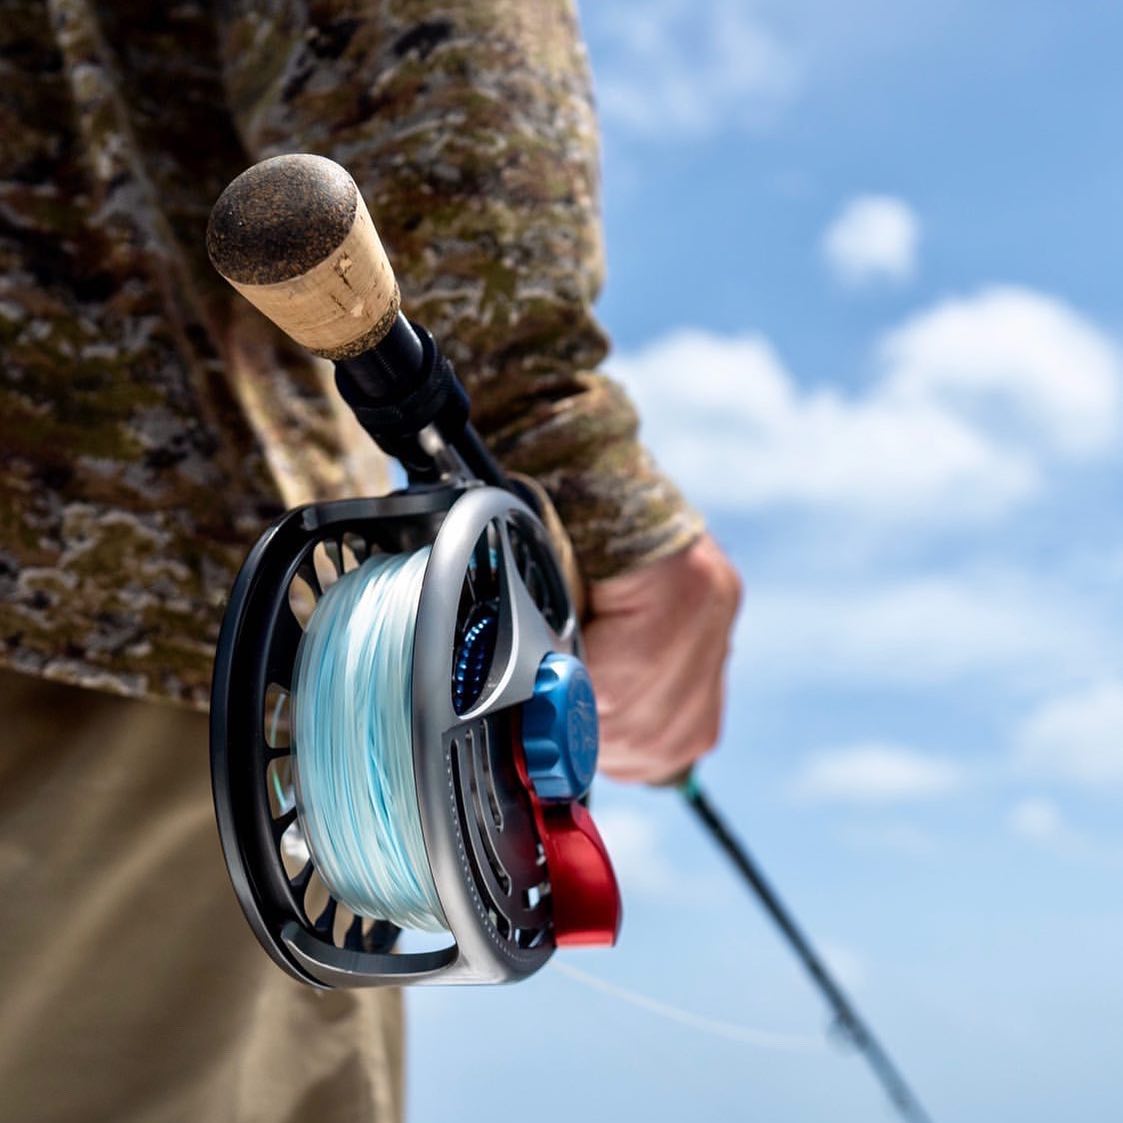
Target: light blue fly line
point(353, 744)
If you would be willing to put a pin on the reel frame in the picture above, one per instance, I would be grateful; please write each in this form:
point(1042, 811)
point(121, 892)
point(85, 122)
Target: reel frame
point(479, 821)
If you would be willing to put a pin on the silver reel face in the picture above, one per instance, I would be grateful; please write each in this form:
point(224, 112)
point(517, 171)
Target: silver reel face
point(478, 820)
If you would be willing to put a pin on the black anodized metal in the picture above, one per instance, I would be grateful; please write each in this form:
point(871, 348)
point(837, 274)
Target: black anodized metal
point(257, 647)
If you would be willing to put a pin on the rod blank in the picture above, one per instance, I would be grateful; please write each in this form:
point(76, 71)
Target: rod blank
point(847, 1018)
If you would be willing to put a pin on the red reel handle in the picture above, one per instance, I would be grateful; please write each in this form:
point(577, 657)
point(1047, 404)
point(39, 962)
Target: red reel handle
point(586, 896)
point(583, 887)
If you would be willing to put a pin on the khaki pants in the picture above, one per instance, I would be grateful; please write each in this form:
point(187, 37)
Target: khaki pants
point(131, 988)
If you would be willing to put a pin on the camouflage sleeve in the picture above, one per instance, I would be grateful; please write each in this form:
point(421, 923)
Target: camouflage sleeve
point(469, 127)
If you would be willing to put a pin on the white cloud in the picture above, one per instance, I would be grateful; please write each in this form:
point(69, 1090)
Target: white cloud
point(897, 837)
point(733, 428)
point(1077, 737)
point(634, 844)
point(875, 773)
point(1038, 820)
point(1042, 823)
point(680, 67)
point(1011, 355)
point(931, 439)
point(846, 964)
point(873, 238)
point(921, 630)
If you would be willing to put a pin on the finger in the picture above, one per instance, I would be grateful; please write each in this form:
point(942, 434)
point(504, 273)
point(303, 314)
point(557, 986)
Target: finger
point(663, 707)
point(658, 751)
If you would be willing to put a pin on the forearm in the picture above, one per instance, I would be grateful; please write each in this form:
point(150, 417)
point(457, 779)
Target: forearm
point(469, 129)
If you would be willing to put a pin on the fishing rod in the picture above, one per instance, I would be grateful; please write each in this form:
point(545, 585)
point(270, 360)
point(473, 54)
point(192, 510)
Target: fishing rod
point(403, 732)
point(402, 728)
point(849, 1022)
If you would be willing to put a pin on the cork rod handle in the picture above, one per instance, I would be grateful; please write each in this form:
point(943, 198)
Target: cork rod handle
point(294, 237)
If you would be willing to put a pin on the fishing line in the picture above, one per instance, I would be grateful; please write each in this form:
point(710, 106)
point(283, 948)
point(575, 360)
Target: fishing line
point(353, 744)
point(762, 1038)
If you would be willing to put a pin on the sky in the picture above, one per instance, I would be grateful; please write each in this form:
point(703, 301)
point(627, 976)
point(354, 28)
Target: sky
point(863, 283)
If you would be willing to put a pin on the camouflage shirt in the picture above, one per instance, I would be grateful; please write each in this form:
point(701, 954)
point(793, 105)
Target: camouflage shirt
point(152, 422)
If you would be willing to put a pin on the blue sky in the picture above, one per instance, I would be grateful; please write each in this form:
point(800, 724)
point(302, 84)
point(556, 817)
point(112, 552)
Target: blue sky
point(863, 282)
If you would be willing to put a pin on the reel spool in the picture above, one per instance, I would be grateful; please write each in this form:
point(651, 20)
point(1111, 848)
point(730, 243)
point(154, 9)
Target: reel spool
point(500, 711)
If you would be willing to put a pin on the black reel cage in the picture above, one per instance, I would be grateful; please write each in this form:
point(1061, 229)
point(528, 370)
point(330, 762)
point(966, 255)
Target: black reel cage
point(487, 862)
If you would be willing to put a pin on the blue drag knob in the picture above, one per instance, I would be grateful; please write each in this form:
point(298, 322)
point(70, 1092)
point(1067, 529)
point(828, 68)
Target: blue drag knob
point(560, 729)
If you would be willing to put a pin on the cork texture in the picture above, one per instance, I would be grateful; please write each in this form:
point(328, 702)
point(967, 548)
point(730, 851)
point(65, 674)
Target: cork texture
point(281, 218)
point(342, 305)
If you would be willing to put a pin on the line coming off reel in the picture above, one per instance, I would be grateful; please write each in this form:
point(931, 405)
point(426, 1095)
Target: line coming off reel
point(402, 731)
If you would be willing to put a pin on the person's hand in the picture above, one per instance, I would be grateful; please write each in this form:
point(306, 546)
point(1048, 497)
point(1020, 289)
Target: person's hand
point(656, 644)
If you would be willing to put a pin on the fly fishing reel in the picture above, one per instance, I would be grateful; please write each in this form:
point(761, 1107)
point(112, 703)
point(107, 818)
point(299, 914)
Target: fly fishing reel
point(402, 730)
